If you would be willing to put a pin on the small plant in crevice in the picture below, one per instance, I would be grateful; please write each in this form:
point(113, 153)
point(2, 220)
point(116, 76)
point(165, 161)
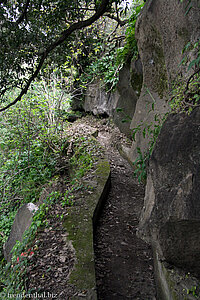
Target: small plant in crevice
point(126, 118)
point(185, 95)
point(149, 131)
point(194, 291)
point(140, 165)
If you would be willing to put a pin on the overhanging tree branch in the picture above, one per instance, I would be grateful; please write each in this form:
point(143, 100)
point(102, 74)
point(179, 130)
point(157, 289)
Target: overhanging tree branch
point(23, 15)
point(117, 19)
point(64, 35)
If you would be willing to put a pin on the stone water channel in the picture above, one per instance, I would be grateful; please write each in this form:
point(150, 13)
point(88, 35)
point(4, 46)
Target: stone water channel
point(124, 263)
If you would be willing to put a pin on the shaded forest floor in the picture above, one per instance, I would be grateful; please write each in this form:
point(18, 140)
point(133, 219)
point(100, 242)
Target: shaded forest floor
point(124, 263)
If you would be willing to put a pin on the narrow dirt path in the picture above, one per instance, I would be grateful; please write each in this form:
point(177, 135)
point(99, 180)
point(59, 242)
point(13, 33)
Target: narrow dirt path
point(124, 263)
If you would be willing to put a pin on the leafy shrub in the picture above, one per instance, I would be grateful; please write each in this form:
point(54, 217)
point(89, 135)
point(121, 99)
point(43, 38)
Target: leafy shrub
point(186, 93)
point(106, 64)
point(130, 50)
point(31, 142)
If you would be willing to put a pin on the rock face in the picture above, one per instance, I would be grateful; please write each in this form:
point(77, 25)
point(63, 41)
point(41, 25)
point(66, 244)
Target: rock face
point(162, 31)
point(171, 215)
point(100, 102)
point(128, 90)
point(22, 222)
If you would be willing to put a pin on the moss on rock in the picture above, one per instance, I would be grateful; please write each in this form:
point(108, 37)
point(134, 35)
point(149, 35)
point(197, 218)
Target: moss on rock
point(136, 82)
point(161, 81)
point(79, 226)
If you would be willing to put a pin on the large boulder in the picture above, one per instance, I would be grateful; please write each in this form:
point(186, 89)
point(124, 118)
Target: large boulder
point(128, 90)
point(98, 101)
point(22, 222)
point(170, 219)
point(162, 31)
point(120, 104)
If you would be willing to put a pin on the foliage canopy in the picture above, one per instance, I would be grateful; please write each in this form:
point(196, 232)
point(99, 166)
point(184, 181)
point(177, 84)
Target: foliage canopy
point(30, 31)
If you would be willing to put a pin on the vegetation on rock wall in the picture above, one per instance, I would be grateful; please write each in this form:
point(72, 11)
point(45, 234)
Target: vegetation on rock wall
point(130, 50)
point(117, 46)
point(186, 93)
point(183, 98)
point(149, 131)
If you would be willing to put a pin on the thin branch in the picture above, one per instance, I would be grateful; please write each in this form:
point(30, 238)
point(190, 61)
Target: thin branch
point(81, 8)
point(189, 79)
point(64, 35)
point(117, 19)
point(117, 38)
point(23, 15)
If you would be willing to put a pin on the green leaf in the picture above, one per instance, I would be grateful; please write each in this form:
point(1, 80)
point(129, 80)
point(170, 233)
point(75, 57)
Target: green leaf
point(186, 47)
point(125, 121)
point(188, 10)
point(144, 132)
point(192, 64)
